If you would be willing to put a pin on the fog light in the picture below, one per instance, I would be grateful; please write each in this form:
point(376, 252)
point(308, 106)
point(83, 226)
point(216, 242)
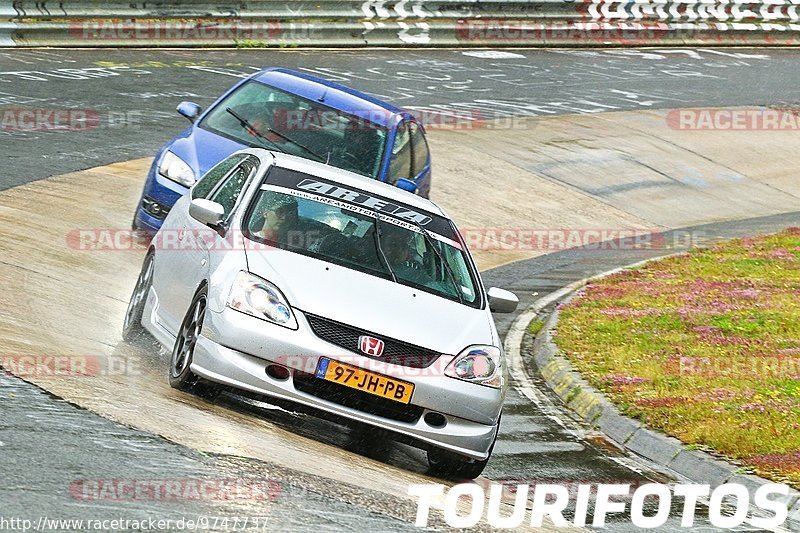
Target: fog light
point(281, 373)
point(154, 208)
point(436, 420)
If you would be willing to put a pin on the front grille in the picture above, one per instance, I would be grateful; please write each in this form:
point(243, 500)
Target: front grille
point(394, 352)
point(356, 399)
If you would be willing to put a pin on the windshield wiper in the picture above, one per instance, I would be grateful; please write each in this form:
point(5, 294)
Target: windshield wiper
point(429, 240)
point(379, 248)
point(251, 130)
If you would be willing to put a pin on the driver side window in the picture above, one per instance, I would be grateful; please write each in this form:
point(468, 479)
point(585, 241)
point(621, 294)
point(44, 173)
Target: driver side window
point(420, 149)
point(212, 178)
point(400, 163)
point(227, 194)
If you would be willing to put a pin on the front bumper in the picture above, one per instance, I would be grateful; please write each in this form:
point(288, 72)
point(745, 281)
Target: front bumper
point(160, 190)
point(236, 349)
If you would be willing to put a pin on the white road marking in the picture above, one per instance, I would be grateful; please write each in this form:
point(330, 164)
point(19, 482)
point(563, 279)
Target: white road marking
point(492, 54)
point(522, 382)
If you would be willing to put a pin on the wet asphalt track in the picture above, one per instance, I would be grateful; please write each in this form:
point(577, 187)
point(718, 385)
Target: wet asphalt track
point(131, 95)
point(134, 94)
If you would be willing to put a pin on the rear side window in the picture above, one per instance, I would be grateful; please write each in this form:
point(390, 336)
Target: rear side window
point(400, 164)
point(228, 193)
point(419, 147)
point(212, 178)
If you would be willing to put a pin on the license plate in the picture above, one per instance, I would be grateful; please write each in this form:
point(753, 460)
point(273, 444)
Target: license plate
point(364, 380)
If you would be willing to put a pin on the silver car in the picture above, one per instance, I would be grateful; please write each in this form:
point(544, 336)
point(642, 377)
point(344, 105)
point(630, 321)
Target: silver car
point(281, 277)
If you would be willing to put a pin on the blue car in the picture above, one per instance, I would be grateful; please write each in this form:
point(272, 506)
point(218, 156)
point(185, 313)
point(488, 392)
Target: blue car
point(287, 111)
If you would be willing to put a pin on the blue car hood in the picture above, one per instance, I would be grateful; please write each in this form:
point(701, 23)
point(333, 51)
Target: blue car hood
point(215, 148)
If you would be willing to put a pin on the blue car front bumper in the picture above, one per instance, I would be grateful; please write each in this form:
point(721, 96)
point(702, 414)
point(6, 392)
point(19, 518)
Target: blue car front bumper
point(158, 197)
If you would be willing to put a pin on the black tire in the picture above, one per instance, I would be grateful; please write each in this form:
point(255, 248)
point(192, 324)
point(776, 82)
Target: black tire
point(452, 466)
point(132, 328)
point(181, 376)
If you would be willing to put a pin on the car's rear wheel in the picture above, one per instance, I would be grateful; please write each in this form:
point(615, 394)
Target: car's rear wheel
point(449, 465)
point(181, 376)
point(132, 327)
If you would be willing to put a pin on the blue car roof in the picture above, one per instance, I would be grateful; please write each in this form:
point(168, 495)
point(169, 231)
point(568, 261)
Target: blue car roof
point(337, 96)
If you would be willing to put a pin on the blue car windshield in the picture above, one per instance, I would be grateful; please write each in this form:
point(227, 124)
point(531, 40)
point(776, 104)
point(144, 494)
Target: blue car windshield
point(258, 115)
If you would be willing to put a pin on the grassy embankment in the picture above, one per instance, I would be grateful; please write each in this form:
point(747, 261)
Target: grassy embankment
point(703, 346)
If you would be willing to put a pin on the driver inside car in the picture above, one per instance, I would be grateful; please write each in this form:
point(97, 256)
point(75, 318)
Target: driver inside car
point(284, 226)
point(278, 219)
point(399, 246)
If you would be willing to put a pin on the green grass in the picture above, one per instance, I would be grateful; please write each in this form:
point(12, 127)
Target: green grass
point(704, 346)
point(535, 327)
point(251, 43)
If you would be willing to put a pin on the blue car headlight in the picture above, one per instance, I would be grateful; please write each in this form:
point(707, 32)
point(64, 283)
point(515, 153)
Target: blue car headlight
point(176, 169)
point(478, 364)
point(260, 298)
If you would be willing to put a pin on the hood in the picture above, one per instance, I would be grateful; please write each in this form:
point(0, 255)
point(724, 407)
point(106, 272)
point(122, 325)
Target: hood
point(373, 304)
point(202, 149)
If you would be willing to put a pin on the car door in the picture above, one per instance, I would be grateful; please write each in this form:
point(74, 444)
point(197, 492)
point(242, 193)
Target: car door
point(420, 157)
point(410, 154)
point(229, 196)
point(181, 248)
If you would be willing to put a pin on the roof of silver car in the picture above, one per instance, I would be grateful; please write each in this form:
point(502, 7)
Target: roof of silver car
point(352, 179)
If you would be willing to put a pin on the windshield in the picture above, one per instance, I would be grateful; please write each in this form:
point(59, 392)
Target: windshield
point(258, 115)
point(348, 234)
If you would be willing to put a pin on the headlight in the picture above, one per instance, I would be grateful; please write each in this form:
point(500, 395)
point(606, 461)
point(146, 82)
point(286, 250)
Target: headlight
point(176, 169)
point(261, 299)
point(478, 364)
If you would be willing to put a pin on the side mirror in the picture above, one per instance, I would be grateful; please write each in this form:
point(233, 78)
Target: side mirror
point(502, 301)
point(209, 213)
point(407, 185)
point(190, 110)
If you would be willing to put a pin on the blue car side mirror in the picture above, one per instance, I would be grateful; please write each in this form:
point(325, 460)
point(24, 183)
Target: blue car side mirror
point(190, 110)
point(407, 185)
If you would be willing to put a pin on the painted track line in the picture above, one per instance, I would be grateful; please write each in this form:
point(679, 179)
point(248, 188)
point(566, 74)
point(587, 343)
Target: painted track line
point(512, 346)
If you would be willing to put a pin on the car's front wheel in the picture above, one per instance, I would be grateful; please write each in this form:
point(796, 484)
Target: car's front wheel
point(132, 327)
point(451, 466)
point(180, 374)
